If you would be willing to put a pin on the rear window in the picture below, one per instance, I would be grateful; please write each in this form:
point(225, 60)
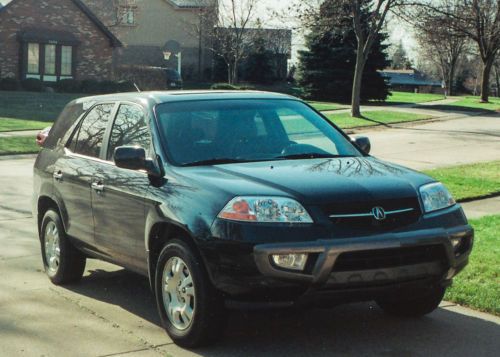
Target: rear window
point(64, 123)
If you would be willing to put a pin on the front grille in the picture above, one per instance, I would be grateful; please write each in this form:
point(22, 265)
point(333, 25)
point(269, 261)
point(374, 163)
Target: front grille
point(410, 205)
point(389, 258)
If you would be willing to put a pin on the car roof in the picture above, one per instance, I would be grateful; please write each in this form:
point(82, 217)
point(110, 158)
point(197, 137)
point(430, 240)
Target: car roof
point(157, 97)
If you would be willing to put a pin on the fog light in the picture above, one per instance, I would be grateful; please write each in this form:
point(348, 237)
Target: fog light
point(455, 242)
point(290, 261)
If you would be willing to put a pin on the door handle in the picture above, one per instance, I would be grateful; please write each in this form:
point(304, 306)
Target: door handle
point(97, 187)
point(58, 175)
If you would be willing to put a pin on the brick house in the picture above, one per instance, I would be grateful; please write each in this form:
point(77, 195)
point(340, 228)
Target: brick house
point(52, 40)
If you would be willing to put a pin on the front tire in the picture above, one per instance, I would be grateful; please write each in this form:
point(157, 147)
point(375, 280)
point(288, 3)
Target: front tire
point(413, 306)
point(191, 310)
point(63, 263)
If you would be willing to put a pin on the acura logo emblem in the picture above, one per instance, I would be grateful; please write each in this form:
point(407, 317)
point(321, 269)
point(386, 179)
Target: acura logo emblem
point(378, 213)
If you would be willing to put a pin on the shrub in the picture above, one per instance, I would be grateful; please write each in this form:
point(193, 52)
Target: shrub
point(32, 85)
point(90, 86)
point(125, 86)
point(9, 84)
point(68, 86)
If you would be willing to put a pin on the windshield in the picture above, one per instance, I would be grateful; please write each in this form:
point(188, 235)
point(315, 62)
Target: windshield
point(226, 131)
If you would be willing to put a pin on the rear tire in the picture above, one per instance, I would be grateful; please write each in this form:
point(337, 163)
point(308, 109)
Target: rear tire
point(190, 309)
point(63, 263)
point(413, 306)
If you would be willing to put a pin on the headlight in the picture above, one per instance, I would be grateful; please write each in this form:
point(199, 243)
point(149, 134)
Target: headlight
point(265, 209)
point(435, 196)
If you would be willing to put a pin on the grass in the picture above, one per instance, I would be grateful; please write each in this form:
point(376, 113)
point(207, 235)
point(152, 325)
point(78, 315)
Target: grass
point(18, 145)
point(412, 98)
point(474, 103)
point(9, 124)
point(381, 117)
point(325, 106)
point(478, 286)
point(32, 105)
point(466, 182)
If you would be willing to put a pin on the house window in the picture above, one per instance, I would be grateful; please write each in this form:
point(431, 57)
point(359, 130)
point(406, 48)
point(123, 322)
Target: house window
point(33, 58)
point(66, 60)
point(127, 16)
point(50, 60)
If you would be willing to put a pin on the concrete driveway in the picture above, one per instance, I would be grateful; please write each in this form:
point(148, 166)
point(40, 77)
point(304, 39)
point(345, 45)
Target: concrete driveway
point(442, 143)
point(112, 313)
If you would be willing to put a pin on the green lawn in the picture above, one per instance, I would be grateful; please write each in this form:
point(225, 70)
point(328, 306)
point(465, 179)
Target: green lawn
point(474, 103)
point(32, 105)
point(470, 181)
point(478, 286)
point(18, 145)
point(381, 117)
point(325, 106)
point(412, 98)
point(9, 124)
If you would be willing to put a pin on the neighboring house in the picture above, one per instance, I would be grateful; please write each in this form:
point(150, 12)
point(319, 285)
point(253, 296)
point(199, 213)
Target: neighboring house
point(160, 33)
point(53, 40)
point(410, 81)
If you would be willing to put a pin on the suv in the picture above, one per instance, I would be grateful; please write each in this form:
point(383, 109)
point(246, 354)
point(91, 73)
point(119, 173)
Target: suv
point(234, 198)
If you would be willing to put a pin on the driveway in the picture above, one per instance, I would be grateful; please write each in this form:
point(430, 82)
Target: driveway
point(112, 313)
point(443, 143)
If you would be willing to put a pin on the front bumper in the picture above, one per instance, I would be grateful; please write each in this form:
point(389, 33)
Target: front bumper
point(325, 254)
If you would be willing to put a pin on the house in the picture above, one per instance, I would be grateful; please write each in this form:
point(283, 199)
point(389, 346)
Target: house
point(411, 81)
point(161, 33)
point(52, 40)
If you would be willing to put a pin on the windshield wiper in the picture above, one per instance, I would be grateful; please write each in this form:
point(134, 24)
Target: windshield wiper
point(215, 161)
point(311, 155)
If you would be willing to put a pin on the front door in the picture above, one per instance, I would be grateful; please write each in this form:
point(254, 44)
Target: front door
point(118, 195)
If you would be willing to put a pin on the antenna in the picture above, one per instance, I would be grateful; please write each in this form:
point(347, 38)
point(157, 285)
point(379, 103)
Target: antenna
point(137, 87)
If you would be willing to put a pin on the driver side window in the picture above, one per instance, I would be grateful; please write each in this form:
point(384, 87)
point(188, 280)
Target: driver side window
point(130, 128)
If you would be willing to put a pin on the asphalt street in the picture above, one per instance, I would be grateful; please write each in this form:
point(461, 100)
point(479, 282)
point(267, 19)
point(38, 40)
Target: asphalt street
point(111, 312)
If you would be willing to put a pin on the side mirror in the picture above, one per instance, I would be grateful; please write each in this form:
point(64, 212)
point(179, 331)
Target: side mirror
point(134, 158)
point(363, 143)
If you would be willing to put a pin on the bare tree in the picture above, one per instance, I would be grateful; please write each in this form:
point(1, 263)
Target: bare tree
point(440, 42)
point(230, 35)
point(368, 19)
point(480, 21)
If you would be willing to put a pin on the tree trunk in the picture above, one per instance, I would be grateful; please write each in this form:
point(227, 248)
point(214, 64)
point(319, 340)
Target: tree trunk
point(356, 86)
point(451, 80)
point(235, 72)
point(497, 80)
point(229, 74)
point(485, 80)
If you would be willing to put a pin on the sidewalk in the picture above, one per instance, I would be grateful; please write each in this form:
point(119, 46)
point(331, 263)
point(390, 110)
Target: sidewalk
point(481, 208)
point(10, 134)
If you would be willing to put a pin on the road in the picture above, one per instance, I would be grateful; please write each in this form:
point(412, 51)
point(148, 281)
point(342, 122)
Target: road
point(112, 313)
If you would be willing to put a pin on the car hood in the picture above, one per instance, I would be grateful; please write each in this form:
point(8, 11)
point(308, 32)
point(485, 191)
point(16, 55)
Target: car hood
point(314, 181)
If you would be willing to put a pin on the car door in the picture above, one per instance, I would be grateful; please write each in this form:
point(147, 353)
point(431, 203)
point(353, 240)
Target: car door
point(75, 169)
point(118, 195)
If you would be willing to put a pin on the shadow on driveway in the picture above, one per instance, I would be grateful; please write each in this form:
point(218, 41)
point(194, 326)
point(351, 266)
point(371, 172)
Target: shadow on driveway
point(355, 329)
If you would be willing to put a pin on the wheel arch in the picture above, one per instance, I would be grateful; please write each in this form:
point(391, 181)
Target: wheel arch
point(159, 235)
point(46, 203)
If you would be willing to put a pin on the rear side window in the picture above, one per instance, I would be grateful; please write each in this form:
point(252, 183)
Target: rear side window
point(64, 123)
point(90, 136)
point(130, 128)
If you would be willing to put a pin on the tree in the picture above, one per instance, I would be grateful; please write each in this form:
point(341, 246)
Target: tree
point(231, 38)
point(327, 67)
point(259, 66)
point(400, 59)
point(368, 18)
point(480, 21)
point(440, 42)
